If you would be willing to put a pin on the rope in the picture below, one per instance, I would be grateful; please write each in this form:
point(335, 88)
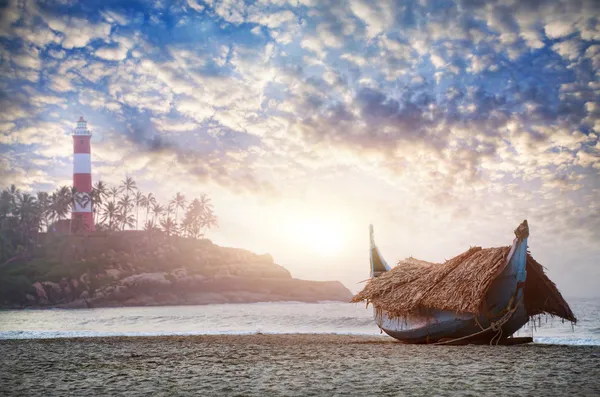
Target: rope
point(495, 326)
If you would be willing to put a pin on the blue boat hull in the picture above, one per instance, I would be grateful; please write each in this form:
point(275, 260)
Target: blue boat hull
point(493, 323)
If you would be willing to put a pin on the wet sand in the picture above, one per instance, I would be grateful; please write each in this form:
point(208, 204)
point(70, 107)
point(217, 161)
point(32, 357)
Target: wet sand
point(291, 365)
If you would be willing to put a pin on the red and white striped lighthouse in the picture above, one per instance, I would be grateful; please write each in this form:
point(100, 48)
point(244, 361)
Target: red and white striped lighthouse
point(82, 218)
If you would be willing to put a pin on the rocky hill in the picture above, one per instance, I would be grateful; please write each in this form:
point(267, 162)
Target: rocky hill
point(133, 268)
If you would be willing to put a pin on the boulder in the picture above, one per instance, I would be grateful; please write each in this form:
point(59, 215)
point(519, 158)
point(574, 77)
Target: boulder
point(113, 273)
point(53, 291)
point(146, 279)
point(41, 293)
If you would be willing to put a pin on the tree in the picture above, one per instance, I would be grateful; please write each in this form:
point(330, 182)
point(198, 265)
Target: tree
point(140, 200)
point(209, 220)
point(114, 192)
point(129, 185)
point(157, 210)
point(43, 201)
point(149, 203)
point(99, 194)
point(204, 204)
point(193, 219)
point(27, 213)
point(125, 204)
point(178, 202)
point(126, 219)
point(6, 205)
point(62, 201)
point(150, 226)
point(110, 212)
point(73, 200)
point(168, 226)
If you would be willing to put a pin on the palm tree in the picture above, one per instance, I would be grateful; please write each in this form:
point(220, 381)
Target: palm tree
point(43, 200)
point(178, 202)
point(126, 219)
point(114, 192)
point(73, 201)
point(125, 204)
point(63, 201)
point(150, 226)
point(6, 206)
point(209, 220)
point(150, 201)
point(129, 185)
point(204, 205)
point(110, 212)
point(157, 210)
point(99, 193)
point(53, 210)
point(168, 226)
point(13, 193)
point(26, 210)
point(193, 218)
point(139, 199)
point(25, 214)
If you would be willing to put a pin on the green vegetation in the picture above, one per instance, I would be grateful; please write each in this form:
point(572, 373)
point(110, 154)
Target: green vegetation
point(58, 257)
point(26, 255)
point(23, 215)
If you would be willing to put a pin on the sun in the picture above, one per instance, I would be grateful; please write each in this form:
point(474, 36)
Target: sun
point(320, 236)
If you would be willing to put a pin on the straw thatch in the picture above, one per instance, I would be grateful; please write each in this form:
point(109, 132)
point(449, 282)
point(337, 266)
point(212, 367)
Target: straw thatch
point(541, 294)
point(459, 285)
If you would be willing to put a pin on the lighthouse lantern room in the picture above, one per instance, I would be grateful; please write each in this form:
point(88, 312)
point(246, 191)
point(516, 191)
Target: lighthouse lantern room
point(82, 219)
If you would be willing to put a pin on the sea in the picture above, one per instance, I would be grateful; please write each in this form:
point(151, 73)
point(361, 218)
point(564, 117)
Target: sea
point(254, 318)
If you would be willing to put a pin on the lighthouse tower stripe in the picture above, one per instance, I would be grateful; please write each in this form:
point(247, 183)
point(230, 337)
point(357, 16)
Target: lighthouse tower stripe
point(82, 177)
point(83, 182)
point(82, 163)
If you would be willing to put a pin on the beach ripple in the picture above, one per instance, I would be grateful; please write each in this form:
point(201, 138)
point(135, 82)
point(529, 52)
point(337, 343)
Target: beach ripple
point(291, 365)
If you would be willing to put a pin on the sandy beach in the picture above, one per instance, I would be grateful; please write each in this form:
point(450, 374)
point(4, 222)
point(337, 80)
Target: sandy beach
point(290, 365)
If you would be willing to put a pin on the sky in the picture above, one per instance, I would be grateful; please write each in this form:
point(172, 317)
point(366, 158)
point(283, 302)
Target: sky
point(442, 123)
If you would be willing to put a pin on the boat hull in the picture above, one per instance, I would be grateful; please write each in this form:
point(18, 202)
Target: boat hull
point(504, 296)
point(448, 325)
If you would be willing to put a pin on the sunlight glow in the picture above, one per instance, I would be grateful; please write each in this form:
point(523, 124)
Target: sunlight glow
point(320, 234)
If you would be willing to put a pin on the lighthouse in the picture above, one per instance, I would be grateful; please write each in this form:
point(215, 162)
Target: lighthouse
point(82, 218)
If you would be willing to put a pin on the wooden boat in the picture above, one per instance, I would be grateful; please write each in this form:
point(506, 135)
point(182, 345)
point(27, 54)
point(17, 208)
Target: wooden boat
point(500, 314)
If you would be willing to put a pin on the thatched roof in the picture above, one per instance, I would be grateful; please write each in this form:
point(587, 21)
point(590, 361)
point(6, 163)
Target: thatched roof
point(459, 285)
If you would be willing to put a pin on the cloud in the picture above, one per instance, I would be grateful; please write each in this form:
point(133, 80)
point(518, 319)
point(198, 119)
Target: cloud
point(78, 32)
point(568, 49)
point(112, 53)
point(471, 113)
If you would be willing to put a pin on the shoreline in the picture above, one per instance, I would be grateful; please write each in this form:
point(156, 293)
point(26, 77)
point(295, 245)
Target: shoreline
point(291, 364)
point(320, 337)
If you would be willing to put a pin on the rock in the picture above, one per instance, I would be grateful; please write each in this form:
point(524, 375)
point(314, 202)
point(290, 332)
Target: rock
point(41, 293)
point(192, 273)
point(65, 285)
point(114, 273)
point(76, 304)
point(145, 279)
point(180, 273)
point(53, 291)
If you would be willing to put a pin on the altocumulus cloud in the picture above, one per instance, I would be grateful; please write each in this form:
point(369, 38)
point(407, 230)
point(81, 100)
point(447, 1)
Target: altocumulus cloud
point(468, 106)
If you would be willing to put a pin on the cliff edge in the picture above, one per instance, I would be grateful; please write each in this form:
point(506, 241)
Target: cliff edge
point(133, 268)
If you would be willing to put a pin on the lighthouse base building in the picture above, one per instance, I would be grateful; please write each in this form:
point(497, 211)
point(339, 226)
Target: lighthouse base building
point(82, 217)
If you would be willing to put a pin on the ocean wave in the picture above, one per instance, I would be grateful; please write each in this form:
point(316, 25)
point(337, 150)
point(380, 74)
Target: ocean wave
point(558, 340)
point(553, 340)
